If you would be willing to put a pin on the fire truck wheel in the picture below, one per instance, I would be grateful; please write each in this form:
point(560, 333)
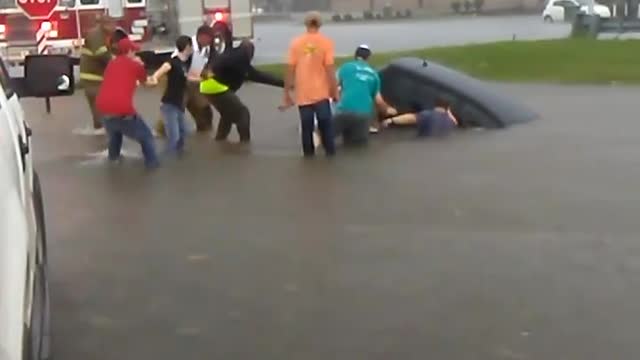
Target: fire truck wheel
point(222, 39)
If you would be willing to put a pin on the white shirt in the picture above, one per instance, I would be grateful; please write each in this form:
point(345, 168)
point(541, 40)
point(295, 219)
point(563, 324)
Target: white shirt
point(199, 58)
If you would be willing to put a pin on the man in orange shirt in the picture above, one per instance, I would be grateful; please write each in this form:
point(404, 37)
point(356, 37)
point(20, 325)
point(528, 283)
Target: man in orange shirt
point(311, 75)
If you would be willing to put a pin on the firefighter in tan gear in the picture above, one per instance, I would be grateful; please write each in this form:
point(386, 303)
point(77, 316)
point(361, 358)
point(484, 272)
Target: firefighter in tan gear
point(95, 55)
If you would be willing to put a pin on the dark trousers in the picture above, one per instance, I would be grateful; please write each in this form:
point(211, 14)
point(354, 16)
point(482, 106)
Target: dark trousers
point(353, 127)
point(134, 128)
point(91, 89)
point(232, 111)
point(199, 107)
point(320, 111)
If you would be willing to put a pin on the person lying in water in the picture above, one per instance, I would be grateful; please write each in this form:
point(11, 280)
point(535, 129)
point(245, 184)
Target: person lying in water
point(438, 121)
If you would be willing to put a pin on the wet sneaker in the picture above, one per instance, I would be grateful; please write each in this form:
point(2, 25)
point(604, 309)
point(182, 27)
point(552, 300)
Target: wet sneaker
point(89, 131)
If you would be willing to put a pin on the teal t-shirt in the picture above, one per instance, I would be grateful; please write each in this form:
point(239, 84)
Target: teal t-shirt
point(360, 84)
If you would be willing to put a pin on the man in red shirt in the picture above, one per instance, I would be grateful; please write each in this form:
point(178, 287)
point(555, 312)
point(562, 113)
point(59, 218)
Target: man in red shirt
point(115, 102)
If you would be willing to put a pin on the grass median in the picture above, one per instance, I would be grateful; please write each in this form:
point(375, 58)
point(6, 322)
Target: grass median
point(570, 61)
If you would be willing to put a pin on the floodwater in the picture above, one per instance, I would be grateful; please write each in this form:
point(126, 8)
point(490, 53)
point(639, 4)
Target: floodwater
point(511, 244)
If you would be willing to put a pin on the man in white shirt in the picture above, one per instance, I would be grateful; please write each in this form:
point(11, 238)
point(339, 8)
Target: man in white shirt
point(197, 105)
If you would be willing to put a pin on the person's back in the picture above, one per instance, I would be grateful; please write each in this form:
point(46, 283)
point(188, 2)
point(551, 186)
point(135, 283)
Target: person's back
point(311, 76)
point(173, 98)
point(119, 85)
point(115, 101)
point(312, 53)
point(174, 93)
point(232, 67)
point(359, 84)
point(359, 98)
point(95, 55)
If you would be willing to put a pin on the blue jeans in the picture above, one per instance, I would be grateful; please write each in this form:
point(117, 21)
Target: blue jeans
point(174, 127)
point(320, 111)
point(132, 127)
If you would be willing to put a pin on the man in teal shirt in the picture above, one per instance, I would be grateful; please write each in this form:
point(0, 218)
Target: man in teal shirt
point(359, 98)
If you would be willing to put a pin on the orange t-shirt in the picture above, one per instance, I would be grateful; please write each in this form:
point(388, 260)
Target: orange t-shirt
point(311, 54)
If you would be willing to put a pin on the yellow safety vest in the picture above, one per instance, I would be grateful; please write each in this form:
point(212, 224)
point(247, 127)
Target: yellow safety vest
point(212, 87)
point(94, 56)
point(90, 77)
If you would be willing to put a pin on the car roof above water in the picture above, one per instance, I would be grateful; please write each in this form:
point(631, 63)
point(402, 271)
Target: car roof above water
point(506, 110)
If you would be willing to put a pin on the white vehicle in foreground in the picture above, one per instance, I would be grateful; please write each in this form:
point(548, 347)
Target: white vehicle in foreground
point(24, 295)
point(555, 10)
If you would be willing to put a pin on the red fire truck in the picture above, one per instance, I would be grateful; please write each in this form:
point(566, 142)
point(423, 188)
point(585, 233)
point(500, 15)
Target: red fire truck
point(154, 23)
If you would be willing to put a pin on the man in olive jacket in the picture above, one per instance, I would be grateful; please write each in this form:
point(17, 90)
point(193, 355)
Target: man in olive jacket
point(94, 57)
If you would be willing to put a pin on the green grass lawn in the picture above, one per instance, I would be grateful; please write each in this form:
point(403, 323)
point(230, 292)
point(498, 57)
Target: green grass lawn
point(558, 61)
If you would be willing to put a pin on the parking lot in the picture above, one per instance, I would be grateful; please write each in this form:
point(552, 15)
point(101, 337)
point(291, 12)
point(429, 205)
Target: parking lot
point(511, 244)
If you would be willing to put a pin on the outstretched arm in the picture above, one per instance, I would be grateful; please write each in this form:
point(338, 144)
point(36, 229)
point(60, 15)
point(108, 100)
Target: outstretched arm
point(453, 117)
point(264, 78)
point(162, 71)
point(403, 119)
point(384, 107)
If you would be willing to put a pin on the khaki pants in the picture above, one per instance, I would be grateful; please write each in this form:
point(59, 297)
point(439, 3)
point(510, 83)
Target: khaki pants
point(91, 89)
point(199, 108)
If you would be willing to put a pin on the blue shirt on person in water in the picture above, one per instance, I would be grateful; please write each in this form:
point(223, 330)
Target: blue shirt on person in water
point(360, 84)
point(436, 122)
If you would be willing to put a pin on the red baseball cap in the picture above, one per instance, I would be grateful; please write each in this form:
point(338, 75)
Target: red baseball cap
point(126, 45)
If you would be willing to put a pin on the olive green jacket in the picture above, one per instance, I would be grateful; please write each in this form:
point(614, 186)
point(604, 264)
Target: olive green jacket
point(94, 56)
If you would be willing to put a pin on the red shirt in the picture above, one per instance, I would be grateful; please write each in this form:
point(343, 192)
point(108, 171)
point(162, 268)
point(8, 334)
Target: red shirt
point(115, 96)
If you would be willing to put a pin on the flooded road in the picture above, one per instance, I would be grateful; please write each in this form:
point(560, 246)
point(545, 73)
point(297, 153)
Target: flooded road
point(512, 244)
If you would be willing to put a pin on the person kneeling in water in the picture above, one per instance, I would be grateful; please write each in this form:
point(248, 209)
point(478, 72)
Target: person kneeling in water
point(360, 99)
point(438, 121)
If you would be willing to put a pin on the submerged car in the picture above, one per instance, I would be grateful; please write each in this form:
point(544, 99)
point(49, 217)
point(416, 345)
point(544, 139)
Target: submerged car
point(408, 83)
point(560, 10)
point(24, 295)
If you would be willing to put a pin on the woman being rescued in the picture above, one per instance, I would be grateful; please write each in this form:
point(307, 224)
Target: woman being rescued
point(438, 121)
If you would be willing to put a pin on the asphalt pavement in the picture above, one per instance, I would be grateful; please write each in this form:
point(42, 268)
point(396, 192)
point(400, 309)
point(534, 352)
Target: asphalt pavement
point(512, 244)
point(272, 39)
